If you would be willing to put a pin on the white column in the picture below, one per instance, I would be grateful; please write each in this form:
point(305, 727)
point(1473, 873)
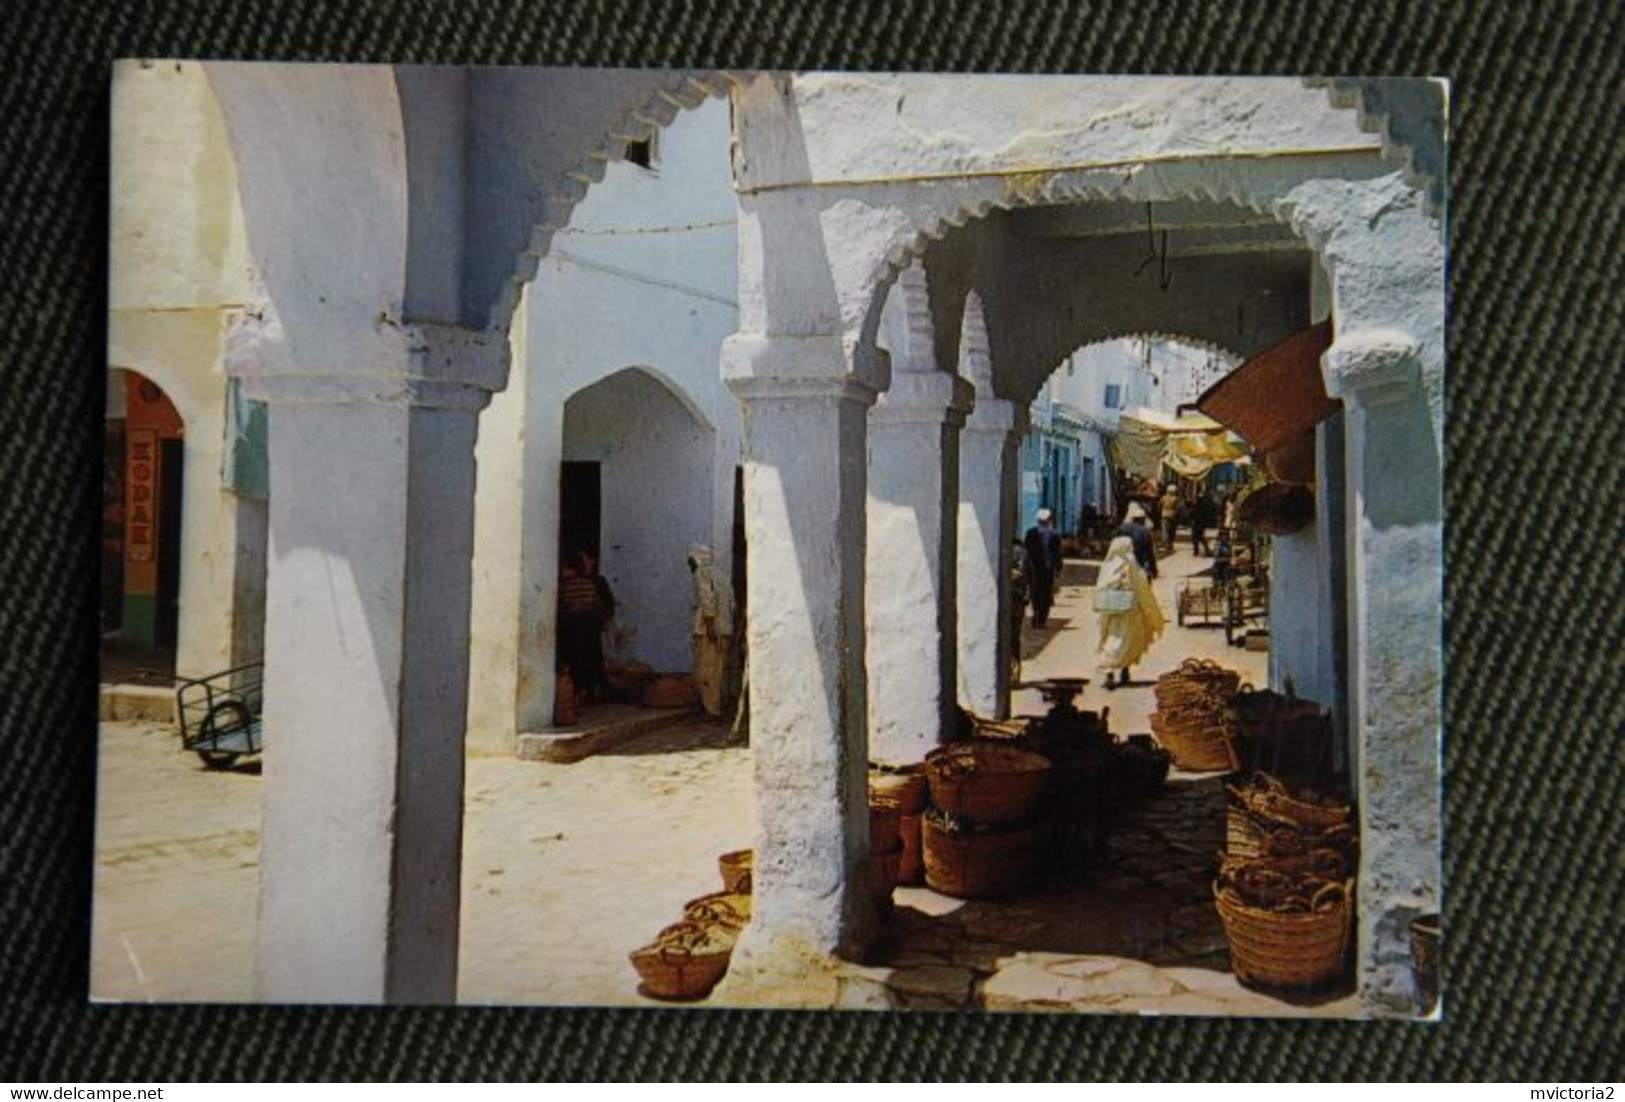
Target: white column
point(988, 470)
point(912, 563)
point(367, 640)
point(804, 520)
point(208, 549)
point(1395, 620)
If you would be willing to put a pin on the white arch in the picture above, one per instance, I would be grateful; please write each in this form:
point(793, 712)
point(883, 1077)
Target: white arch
point(186, 404)
point(666, 383)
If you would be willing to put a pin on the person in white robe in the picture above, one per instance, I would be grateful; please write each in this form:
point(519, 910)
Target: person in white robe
point(1126, 609)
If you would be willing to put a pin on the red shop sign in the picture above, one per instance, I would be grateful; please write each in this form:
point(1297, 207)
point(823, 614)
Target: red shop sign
point(141, 516)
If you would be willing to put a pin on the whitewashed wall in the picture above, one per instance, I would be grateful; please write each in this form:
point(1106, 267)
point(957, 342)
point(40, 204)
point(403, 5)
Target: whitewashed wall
point(178, 271)
point(644, 277)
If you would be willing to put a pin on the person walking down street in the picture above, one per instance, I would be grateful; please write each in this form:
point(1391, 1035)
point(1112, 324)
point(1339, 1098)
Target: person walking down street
point(1201, 520)
point(1020, 588)
point(1137, 529)
point(1127, 612)
point(713, 625)
point(1043, 546)
point(1169, 505)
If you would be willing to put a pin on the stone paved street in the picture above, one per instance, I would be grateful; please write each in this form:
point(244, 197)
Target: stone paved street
point(1145, 937)
point(569, 867)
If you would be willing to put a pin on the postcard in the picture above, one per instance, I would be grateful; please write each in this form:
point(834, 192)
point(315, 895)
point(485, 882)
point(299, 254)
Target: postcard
point(831, 540)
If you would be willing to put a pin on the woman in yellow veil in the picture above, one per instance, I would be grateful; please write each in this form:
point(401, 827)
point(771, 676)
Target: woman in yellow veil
point(1127, 611)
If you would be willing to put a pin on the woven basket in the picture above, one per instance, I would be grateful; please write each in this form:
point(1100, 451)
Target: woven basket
point(905, 784)
point(979, 865)
point(685, 962)
point(911, 862)
point(1195, 678)
point(1198, 745)
point(1267, 798)
point(1255, 834)
point(1284, 878)
point(1242, 839)
point(736, 868)
point(670, 691)
point(1426, 952)
point(1288, 949)
point(730, 910)
point(1015, 731)
point(985, 782)
point(885, 824)
point(883, 871)
point(1277, 394)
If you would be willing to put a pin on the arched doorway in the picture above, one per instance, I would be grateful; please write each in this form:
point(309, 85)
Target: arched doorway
point(144, 487)
point(637, 483)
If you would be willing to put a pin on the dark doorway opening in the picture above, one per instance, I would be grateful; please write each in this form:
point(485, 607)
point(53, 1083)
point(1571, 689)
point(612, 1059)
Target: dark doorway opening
point(580, 506)
point(171, 492)
point(738, 538)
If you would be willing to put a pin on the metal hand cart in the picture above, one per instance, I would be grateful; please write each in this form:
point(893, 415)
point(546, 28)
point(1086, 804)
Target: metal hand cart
point(1205, 601)
point(220, 715)
point(1249, 604)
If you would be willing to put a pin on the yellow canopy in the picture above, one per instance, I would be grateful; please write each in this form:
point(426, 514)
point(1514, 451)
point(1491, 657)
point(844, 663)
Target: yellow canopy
point(1191, 445)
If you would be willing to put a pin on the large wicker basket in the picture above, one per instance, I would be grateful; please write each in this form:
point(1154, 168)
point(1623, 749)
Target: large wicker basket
point(911, 861)
point(905, 784)
point(730, 910)
point(1288, 949)
point(1243, 837)
point(1268, 799)
point(985, 782)
point(1278, 394)
point(685, 962)
point(885, 824)
point(1197, 742)
point(1193, 683)
point(979, 864)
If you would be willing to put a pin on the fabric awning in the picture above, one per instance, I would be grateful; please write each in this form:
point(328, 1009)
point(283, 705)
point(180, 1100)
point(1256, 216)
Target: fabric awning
point(1190, 445)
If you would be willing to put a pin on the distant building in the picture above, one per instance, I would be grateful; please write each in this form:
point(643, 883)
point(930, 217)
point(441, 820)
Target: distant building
point(1065, 460)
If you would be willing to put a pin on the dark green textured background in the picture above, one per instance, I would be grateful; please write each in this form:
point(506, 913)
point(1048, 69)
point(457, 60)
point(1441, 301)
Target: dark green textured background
point(1534, 701)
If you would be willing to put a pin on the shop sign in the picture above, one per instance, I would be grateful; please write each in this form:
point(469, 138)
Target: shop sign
point(142, 464)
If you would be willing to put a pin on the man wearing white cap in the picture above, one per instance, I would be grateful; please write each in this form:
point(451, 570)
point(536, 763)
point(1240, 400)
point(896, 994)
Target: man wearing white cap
point(713, 624)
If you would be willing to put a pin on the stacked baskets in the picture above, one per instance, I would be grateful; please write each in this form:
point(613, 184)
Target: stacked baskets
point(1285, 891)
point(1191, 720)
point(688, 958)
point(885, 848)
point(982, 837)
point(906, 785)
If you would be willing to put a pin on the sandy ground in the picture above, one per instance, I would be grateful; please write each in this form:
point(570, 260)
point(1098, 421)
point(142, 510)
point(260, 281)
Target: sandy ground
point(567, 868)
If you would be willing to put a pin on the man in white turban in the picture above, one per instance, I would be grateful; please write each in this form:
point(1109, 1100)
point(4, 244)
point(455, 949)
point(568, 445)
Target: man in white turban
point(713, 624)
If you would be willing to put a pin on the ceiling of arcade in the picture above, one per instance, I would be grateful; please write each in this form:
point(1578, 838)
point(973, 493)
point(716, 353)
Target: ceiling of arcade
point(1053, 279)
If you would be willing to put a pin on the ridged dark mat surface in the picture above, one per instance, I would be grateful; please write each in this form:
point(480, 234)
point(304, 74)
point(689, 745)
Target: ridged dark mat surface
point(1535, 632)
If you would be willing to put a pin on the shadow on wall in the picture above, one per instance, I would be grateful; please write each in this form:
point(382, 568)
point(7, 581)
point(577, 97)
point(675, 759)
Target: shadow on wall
point(654, 454)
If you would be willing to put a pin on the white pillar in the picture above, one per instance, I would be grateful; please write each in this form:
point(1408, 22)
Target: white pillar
point(912, 563)
point(205, 629)
point(988, 470)
point(1395, 530)
point(367, 639)
point(804, 520)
